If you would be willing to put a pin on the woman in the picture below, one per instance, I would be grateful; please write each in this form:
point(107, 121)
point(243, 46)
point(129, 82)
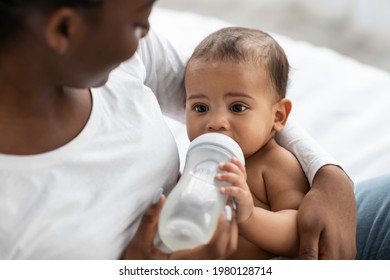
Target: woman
point(80, 164)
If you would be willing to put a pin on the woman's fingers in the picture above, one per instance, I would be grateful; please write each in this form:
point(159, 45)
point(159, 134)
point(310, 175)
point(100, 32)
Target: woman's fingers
point(141, 246)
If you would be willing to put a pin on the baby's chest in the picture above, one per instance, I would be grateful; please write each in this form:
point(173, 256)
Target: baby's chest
point(258, 189)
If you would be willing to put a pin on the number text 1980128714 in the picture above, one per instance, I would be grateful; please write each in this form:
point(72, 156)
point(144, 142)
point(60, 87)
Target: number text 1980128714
point(242, 270)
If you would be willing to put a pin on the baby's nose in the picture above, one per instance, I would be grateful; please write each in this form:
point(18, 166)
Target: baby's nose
point(218, 122)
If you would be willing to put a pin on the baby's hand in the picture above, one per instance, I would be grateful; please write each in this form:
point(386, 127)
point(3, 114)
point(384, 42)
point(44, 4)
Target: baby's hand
point(236, 175)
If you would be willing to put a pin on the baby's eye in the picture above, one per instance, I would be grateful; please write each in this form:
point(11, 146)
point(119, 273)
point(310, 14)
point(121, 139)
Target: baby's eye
point(200, 108)
point(237, 108)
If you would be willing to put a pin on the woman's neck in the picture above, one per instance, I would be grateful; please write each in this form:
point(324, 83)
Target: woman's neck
point(37, 123)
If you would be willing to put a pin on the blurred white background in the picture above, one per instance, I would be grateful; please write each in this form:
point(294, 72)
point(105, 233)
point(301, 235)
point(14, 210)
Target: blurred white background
point(356, 28)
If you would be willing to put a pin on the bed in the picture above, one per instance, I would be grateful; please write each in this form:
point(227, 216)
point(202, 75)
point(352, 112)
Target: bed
point(343, 104)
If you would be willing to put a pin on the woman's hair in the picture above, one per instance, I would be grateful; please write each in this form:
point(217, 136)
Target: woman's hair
point(13, 13)
point(239, 44)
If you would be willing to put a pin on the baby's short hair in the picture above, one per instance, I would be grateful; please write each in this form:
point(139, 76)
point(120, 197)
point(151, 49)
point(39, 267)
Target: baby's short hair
point(240, 44)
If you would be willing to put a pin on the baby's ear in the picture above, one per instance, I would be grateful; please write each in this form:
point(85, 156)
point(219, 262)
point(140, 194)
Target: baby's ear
point(282, 110)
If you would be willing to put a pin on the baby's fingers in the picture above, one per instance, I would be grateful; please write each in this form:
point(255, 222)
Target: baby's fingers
point(239, 164)
point(232, 178)
point(231, 191)
point(234, 166)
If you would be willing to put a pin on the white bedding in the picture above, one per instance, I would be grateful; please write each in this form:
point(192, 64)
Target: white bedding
point(343, 104)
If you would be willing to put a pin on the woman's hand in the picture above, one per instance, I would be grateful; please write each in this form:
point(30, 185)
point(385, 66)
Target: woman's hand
point(327, 217)
point(222, 244)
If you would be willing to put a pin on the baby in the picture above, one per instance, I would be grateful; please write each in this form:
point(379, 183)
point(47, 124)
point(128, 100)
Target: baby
point(236, 82)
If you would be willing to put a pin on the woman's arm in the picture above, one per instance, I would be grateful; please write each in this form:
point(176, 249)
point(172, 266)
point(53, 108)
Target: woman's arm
point(309, 153)
point(164, 73)
point(327, 215)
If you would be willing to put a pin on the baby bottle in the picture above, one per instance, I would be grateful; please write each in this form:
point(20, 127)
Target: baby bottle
point(190, 213)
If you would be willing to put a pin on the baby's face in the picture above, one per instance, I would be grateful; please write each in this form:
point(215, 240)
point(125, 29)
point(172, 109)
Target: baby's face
point(235, 99)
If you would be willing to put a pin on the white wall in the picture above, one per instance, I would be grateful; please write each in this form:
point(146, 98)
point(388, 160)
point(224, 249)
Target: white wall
point(356, 28)
point(372, 16)
point(363, 16)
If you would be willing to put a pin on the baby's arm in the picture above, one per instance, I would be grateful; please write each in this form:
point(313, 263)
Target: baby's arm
point(273, 230)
